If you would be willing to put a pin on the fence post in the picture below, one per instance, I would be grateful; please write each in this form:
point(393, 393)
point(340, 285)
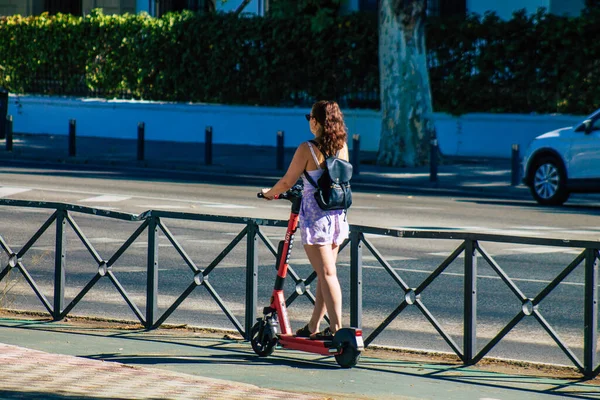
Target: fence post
point(141, 137)
point(59, 265)
point(280, 149)
point(433, 160)
point(470, 302)
point(251, 277)
point(152, 278)
point(515, 165)
point(72, 133)
point(208, 139)
point(9, 133)
point(356, 279)
point(355, 155)
point(590, 333)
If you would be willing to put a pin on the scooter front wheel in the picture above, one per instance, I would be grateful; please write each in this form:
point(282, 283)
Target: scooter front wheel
point(260, 338)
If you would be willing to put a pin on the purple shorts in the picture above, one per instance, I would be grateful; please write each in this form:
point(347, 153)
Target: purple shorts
point(318, 226)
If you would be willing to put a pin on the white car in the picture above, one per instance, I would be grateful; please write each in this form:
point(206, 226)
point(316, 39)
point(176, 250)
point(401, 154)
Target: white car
point(564, 161)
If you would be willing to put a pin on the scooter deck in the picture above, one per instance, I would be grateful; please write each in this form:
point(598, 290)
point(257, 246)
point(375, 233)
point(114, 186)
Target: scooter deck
point(323, 347)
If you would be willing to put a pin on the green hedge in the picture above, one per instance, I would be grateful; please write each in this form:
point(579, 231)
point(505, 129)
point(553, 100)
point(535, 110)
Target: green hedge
point(540, 63)
point(188, 57)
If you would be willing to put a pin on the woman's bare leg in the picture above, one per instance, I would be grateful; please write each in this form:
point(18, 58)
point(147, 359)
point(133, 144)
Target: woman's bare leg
point(329, 293)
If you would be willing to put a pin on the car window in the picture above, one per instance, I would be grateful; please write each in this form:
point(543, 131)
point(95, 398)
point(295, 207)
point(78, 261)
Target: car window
point(594, 115)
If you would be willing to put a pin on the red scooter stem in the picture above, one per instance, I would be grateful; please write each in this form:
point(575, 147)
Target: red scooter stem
point(277, 300)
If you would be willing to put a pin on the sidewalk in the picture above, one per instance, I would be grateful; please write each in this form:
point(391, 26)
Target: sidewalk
point(245, 164)
point(126, 363)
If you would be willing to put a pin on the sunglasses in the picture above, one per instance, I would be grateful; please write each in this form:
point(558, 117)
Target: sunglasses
point(308, 117)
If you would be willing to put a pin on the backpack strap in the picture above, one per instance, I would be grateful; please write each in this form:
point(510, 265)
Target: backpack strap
point(306, 175)
point(313, 154)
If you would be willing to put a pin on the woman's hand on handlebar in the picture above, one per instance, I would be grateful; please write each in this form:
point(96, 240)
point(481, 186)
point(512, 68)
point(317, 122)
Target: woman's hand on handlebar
point(263, 193)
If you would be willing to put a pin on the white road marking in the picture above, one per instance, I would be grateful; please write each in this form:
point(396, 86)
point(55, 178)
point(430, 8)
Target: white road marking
point(535, 228)
point(443, 254)
point(418, 208)
point(417, 271)
point(389, 258)
point(130, 269)
point(207, 241)
point(520, 250)
point(15, 210)
point(41, 248)
point(106, 198)
point(9, 191)
point(105, 240)
point(542, 250)
point(578, 232)
point(160, 206)
point(222, 205)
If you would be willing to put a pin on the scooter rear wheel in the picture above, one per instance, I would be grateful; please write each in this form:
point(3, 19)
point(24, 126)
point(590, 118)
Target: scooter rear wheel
point(262, 343)
point(345, 341)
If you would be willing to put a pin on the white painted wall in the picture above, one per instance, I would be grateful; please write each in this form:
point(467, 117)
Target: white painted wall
point(505, 8)
point(254, 7)
point(569, 7)
point(142, 5)
point(472, 135)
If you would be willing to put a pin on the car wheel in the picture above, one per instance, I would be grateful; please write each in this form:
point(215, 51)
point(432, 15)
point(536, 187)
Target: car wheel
point(549, 182)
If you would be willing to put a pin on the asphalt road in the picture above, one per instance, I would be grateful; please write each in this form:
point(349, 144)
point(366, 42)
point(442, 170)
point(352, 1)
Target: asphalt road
point(531, 267)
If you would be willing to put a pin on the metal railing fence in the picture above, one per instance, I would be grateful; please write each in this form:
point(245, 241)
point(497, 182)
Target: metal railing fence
point(153, 222)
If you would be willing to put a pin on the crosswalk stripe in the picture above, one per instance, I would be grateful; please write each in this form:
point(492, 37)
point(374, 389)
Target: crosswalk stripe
point(9, 191)
point(106, 198)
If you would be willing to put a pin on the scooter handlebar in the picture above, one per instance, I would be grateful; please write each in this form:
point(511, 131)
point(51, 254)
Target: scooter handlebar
point(276, 197)
point(294, 192)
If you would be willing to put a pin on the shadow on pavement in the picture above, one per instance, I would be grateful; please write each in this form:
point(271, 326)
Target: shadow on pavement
point(249, 178)
point(10, 395)
point(465, 375)
point(564, 388)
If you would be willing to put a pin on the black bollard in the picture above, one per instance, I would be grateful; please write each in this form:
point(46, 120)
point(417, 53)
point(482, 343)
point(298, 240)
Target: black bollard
point(3, 111)
point(355, 155)
point(280, 149)
point(208, 139)
point(515, 166)
point(9, 133)
point(433, 160)
point(141, 137)
point(72, 132)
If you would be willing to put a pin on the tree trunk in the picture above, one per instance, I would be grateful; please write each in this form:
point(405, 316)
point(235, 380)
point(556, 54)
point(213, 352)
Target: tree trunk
point(406, 126)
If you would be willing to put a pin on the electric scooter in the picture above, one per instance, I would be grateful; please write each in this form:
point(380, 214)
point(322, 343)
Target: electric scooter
point(273, 328)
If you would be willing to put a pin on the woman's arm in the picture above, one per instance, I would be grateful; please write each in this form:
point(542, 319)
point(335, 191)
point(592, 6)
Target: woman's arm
point(297, 166)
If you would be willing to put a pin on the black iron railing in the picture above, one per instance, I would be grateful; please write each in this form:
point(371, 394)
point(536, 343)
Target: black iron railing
point(470, 247)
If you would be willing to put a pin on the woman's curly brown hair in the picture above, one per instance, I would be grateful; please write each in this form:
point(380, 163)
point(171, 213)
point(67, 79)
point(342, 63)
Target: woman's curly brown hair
point(334, 135)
